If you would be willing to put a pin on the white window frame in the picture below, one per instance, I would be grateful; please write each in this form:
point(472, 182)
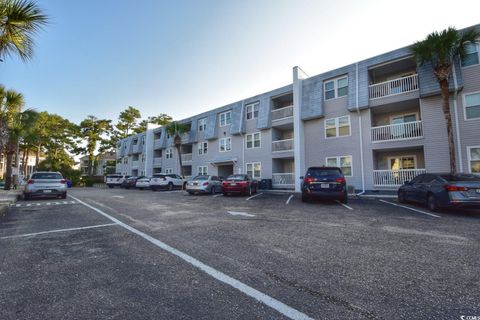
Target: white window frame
point(224, 142)
point(252, 135)
point(202, 124)
point(465, 106)
point(415, 163)
point(168, 171)
point(252, 164)
point(169, 153)
point(477, 45)
point(202, 170)
point(222, 119)
point(469, 158)
point(335, 88)
point(337, 127)
point(250, 109)
point(337, 159)
point(203, 148)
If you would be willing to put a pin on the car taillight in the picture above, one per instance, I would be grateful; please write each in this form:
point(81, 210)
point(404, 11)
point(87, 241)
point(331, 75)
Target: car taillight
point(454, 188)
point(225, 183)
point(309, 180)
point(205, 183)
point(63, 181)
point(340, 180)
point(30, 181)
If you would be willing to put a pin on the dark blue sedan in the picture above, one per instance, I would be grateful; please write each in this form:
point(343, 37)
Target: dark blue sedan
point(442, 190)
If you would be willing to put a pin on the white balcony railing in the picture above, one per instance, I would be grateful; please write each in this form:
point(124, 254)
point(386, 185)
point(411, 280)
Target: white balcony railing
point(393, 87)
point(282, 145)
point(394, 178)
point(186, 157)
point(398, 131)
point(157, 161)
point(135, 164)
point(282, 113)
point(283, 180)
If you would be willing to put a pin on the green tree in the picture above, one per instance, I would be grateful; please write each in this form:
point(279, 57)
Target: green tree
point(93, 131)
point(161, 120)
point(128, 121)
point(441, 49)
point(20, 20)
point(177, 130)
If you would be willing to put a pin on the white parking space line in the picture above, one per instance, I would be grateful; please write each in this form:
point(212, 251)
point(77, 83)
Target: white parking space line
point(237, 213)
point(413, 209)
point(289, 198)
point(58, 230)
point(218, 195)
point(38, 204)
point(344, 205)
point(120, 197)
point(214, 273)
point(258, 194)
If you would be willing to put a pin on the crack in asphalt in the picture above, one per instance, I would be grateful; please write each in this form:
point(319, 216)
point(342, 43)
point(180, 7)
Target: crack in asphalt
point(325, 297)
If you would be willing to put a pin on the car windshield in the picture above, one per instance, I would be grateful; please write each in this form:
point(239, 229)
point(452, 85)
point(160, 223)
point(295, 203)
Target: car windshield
point(158, 176)
point(47, 175)
point(460, 177)
point(236, 177)
point(320, 172)
point(113, 177)
point(200, 178)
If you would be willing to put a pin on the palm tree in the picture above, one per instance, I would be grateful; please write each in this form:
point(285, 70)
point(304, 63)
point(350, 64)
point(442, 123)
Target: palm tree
point(92, 130)
point(20, 21)
point(441, 49)
point(176, 130)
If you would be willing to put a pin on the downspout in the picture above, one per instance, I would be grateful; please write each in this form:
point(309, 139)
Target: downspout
point(243, 137)
point(457, 127)
point(360, 131)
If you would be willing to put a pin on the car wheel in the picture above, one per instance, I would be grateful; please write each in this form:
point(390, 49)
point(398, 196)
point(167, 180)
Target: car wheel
point(249, 191)
point(344, 199)
point(432, 203)
point(212, 190)
point(190, 193)
point(304, 198)
point(225, 194)
point(110, 186)
point(401, 197)
point(64, 196)
point(26, 196)
point(170, 186)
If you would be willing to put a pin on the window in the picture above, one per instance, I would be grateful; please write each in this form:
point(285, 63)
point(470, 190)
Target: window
point(143, 140)
point(252, 110)
point(202, 170)
point(404, 162)
point(202, 124)
point(342, 162)
point(254, 170)
point(336, 88)
point(169, 171)
point(143, 157)
point(169, 153)
point(253, 140)
point(203, 147)
point(125, 160)
point(472, 54)
point(225, 118)
point(474, 159)
point(472, 106)
point(337, 127)
point(225, 144)
point(135, 142)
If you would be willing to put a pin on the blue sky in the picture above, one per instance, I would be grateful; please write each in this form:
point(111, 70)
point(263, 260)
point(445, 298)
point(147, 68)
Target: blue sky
point(184, 57)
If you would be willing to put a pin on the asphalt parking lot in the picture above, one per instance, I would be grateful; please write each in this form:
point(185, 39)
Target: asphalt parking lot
point(130, 254)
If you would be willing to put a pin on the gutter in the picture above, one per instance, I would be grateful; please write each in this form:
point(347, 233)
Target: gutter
point(360, 130)
point(457, 126)
point(243, 137)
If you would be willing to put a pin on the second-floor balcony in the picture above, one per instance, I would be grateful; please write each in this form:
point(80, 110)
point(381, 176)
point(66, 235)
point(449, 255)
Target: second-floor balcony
point(186, 157)
point(157, 161)
point(393, 87)
point(397, 131)
point(135, 164)
point(282, 113)
point(157, 144)
point(282, 145)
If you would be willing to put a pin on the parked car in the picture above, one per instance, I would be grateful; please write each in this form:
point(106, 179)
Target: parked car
point(115, 180)
point(166, 181)
point(324, 183)
point(143, 183)
point(204, 184)
point(45, 184)
point(129, 182)
point(239, 183)
point(441, 190)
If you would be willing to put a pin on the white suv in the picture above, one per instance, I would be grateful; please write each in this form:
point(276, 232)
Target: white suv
point(115, 180)
point(166, 181)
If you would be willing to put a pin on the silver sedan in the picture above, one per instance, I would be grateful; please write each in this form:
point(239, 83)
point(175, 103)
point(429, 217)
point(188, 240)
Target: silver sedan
point(45, 184)
point(204, 184)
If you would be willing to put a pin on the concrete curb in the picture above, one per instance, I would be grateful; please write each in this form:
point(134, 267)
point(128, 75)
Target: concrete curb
point(7, 198)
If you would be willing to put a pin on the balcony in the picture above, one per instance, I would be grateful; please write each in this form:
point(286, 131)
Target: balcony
point(397, 132)
point(282, 145)
point(393, 87)
point(157, 144)
point(135, 164)
point(186, 157)
point(283, 180)
point(157, 161)
point(394, 178)
point(282, 113)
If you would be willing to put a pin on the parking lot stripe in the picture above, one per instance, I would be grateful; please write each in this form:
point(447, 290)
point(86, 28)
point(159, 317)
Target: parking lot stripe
point(289, 198)
point(55, 231)
point(237, 213)
point(218, 195)
point(413, 209)
point(258, 194)
point(343, 204)
point(220, 276)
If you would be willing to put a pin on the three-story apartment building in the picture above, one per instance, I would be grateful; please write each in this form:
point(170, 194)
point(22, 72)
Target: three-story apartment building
point(379, 119)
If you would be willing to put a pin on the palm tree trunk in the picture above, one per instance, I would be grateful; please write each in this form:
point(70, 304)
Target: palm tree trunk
point(8, 171)
point(37, 156)
point(24, 155)
point(25, 166)
point(448, 119)
point(179, 150)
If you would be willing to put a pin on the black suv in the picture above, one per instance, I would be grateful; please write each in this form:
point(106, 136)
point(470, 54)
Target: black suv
point(324, 183)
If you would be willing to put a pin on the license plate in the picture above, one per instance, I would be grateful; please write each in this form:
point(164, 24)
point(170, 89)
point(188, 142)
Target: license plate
point(324, 185)
point(233, 184)
point(47, 191)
